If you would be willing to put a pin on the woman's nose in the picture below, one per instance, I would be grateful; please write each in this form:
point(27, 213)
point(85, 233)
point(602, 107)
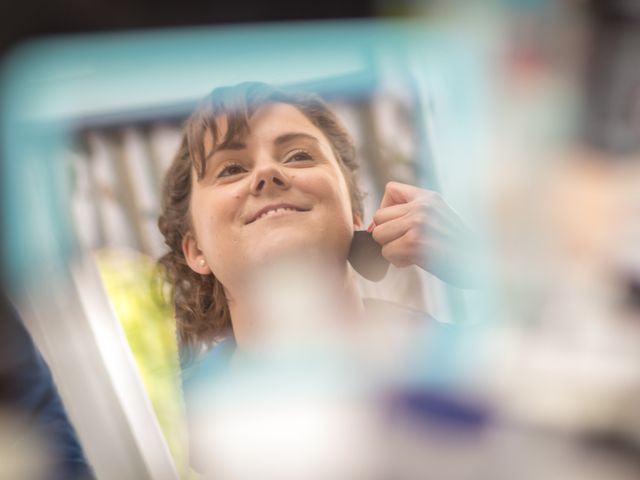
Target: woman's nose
point(269, 176)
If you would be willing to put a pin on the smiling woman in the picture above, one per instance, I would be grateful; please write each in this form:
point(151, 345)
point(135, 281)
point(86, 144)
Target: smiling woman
point(264, 180)
point(263, 174)
point(260, 173)
point(278, 190)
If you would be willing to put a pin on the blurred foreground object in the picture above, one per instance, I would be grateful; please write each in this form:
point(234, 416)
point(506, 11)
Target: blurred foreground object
point(612, 78)
point(37, 439)
point(130, 280)
point(543, 381)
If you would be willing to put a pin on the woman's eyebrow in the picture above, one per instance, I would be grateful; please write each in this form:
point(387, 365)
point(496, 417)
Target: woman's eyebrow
point(287, 137)
point(233, 145)
point(279, 140)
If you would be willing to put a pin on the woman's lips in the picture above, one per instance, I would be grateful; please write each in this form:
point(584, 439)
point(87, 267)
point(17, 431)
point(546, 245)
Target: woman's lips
point(277, 209)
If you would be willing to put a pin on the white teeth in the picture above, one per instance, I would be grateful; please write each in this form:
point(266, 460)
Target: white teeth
point(271, 212)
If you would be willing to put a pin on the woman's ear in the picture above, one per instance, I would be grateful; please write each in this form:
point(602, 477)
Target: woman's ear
point(193, 255)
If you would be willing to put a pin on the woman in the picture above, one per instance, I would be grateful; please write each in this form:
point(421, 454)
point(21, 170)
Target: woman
point(263, 176)
point(263, 173)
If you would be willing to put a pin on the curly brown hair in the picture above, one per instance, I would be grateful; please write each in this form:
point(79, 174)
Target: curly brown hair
point(202, 313)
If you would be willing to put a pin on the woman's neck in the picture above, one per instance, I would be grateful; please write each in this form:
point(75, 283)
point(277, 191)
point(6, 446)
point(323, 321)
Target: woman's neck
point(293, 299)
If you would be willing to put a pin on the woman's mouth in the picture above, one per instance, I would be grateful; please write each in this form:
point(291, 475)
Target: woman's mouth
point(276, 211)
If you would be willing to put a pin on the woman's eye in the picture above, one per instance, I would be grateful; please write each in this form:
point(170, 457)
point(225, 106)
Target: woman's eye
point(299, 157)
point(229, 170)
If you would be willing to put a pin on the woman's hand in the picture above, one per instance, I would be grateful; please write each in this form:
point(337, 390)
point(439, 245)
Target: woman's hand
point(416, 227)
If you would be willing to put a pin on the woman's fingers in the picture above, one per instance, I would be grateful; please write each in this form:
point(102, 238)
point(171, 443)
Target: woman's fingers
point(389, 231)
point(384, 215)
point(417, 227)
point(407, 249)
point(399, 193)
point(402, 233)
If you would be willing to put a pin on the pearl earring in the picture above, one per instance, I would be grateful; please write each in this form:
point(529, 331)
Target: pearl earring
point(202, 263)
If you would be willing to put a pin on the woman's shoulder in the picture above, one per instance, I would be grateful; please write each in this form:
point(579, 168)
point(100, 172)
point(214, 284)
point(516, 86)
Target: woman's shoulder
point(211, 360)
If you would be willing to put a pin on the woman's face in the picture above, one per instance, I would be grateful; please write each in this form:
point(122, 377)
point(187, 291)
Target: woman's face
point(277, 191)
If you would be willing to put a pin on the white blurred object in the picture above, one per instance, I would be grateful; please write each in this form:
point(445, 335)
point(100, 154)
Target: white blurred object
point(23, 454)
point(286, 433)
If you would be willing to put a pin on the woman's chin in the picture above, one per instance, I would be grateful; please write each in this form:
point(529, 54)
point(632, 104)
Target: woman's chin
point(304, 245)
point(291, 248)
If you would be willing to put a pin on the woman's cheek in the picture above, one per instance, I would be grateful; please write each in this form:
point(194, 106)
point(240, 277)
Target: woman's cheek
point(317, 181)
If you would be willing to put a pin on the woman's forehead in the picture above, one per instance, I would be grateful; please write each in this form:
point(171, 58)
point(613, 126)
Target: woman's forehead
point(275, 117)
point(268, 122)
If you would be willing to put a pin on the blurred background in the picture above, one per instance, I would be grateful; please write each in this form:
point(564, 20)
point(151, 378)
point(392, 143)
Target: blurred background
point(525, 115)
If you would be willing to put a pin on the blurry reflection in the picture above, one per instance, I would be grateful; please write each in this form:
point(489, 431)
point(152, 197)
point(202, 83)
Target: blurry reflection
point(532, 135)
